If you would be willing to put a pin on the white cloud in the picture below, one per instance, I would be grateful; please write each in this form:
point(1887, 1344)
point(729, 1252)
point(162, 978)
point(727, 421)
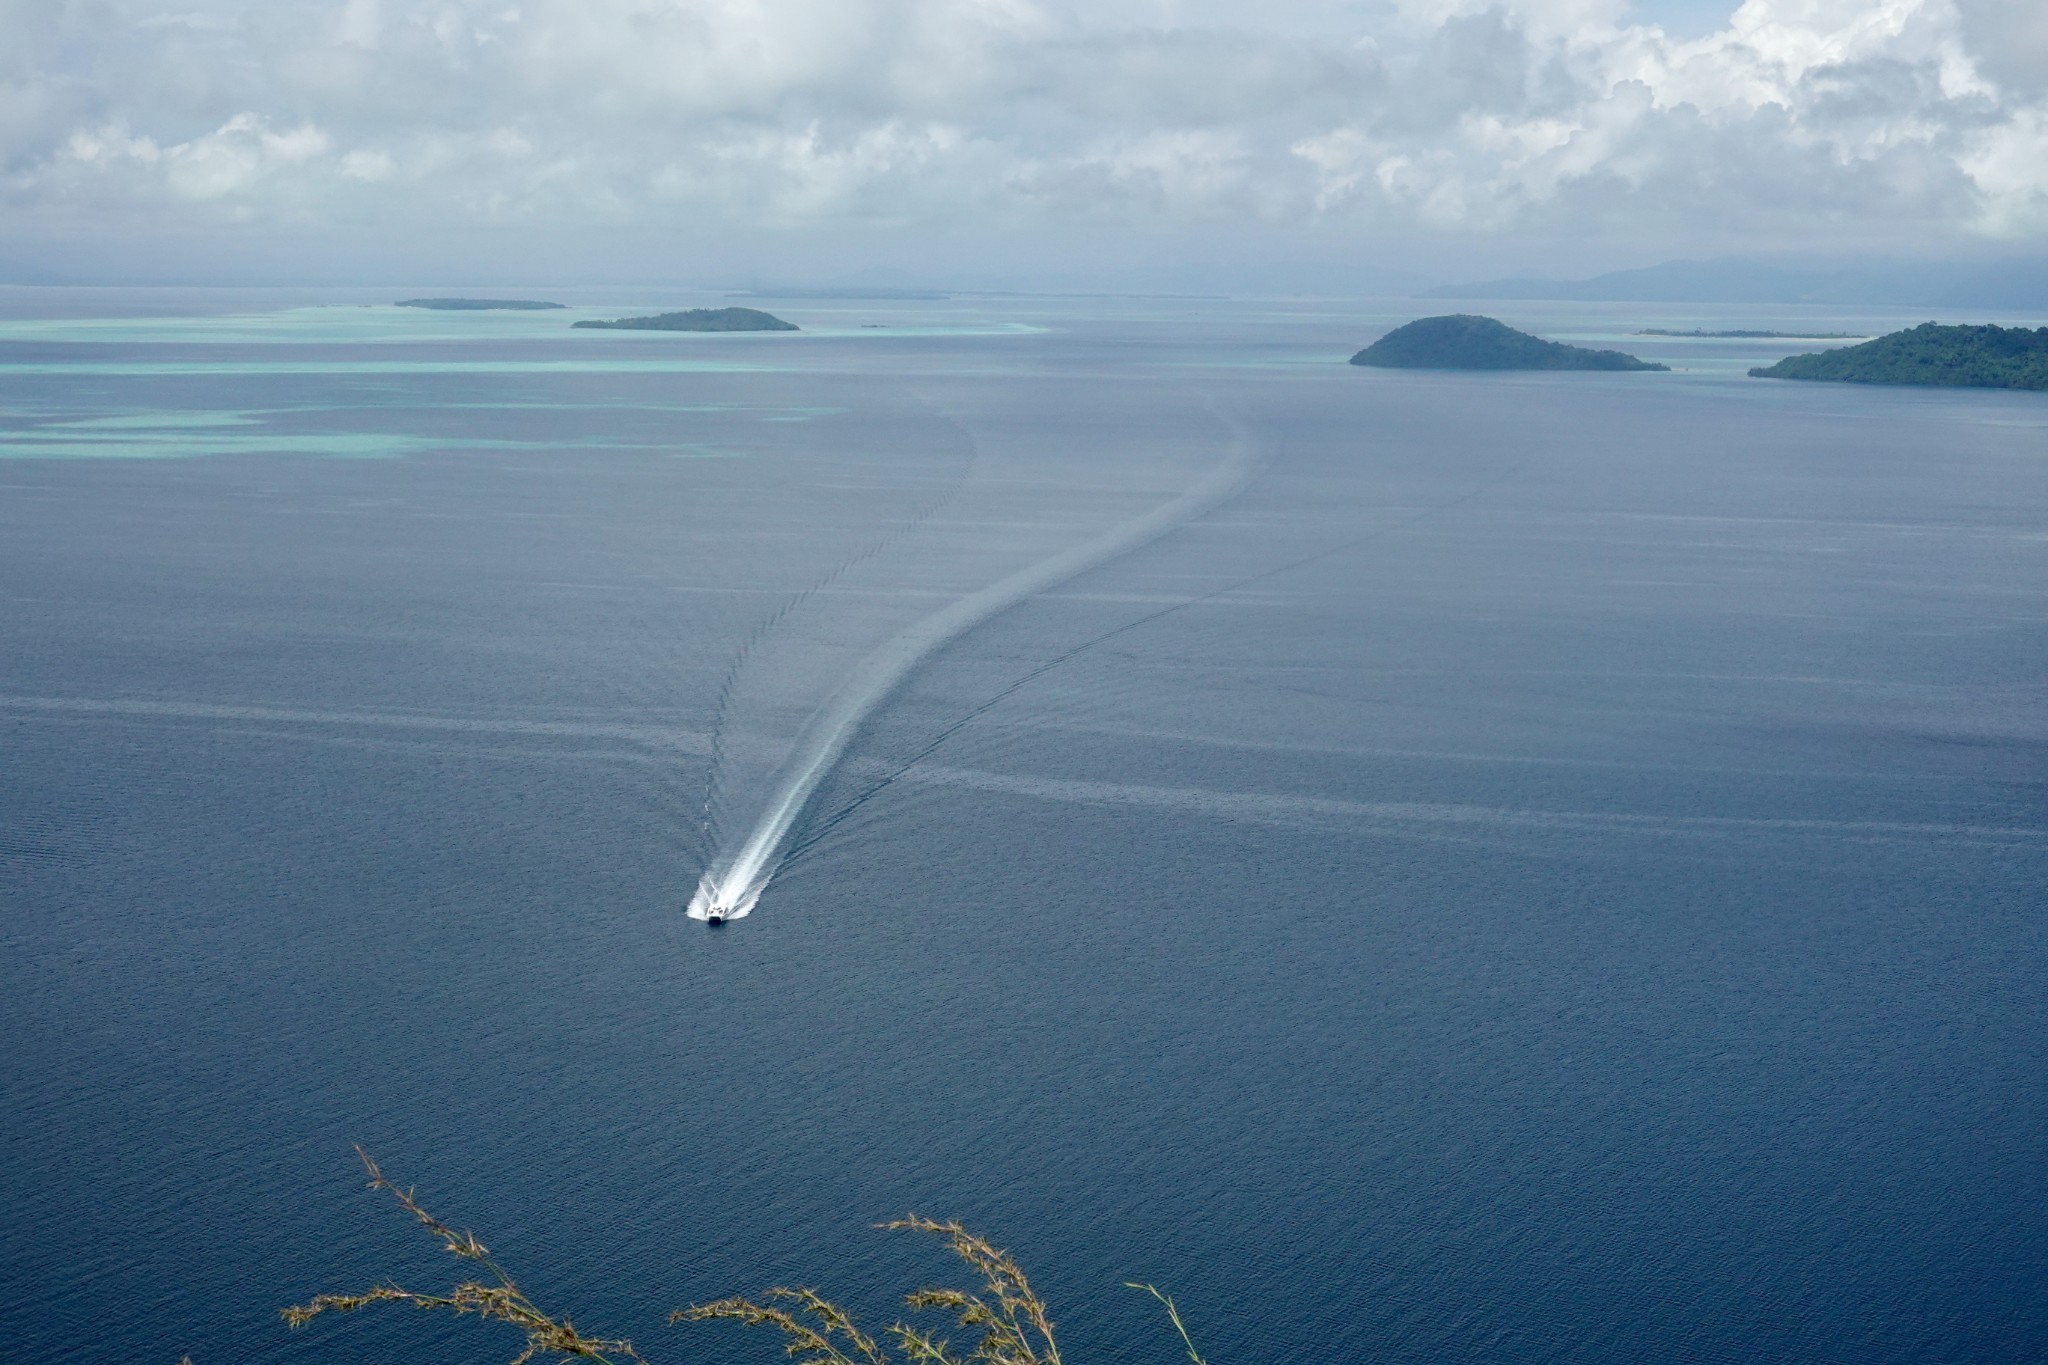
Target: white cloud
point(237, 156)
point(368, 165)
point(1913, 123)
point(2006, 160)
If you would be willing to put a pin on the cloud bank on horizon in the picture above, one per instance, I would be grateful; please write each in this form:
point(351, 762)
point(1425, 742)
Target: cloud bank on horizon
point(1021, 125)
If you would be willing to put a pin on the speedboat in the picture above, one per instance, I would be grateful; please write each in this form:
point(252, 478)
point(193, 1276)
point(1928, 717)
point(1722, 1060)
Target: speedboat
point(714, 914)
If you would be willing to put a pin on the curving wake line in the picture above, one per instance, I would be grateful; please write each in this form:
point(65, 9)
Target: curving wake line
point(731, 886)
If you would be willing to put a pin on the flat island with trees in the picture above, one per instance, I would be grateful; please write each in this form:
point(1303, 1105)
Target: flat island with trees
point(699, 320)
point(476, 305)
point(1465, 341)
point(1951, 357)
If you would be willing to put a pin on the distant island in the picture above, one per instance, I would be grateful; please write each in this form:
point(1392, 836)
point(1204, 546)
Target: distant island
point(1463, 341)
point(1792, 336)
point(475, 305)
point(700, 320)
point(1955, 357)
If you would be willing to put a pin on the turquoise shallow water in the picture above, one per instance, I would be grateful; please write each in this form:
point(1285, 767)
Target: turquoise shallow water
point(1549, 872)
point(344, 428)
point(359, 342)
point(384, 325)
point(421, 366)
point(174, 434)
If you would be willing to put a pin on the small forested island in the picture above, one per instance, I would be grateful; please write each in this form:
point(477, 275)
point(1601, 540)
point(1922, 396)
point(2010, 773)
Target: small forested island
point(1959, 357)
point(700, 320)
point(475, 305)
point(1789, 336)
point(1464, 341)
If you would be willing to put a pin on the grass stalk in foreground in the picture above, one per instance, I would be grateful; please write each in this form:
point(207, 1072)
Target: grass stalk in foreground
point(1008, 1319)
point(498, 1299)
point(1173, 1316)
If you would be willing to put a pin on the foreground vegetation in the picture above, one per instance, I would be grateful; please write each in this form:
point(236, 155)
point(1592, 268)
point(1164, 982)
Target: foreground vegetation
point(1008, 1320)
point(1959, 357)
point(1466, 341)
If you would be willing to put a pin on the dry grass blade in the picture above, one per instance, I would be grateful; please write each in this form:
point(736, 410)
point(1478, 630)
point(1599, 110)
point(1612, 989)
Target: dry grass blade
point(1173, 1316)
point(499, 1301)
point(807, 1345)
point(1010, 1319)
point(1015, 1328)
point(921, 1348)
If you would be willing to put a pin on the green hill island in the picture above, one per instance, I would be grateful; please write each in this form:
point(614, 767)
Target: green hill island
point(1953, 357)
point(700, 320)
point(1463, 341)
point(475, 305)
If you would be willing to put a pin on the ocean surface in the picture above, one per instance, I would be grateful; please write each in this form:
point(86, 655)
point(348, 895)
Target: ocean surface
point(1550, 869)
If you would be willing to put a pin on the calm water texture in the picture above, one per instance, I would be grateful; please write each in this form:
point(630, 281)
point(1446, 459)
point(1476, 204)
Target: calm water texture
point(1550, 871)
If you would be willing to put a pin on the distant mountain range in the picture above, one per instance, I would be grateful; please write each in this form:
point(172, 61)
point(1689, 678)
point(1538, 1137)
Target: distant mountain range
point(2019, 284)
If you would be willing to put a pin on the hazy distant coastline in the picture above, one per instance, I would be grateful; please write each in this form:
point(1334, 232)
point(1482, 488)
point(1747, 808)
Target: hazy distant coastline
point(476, 305)
point(1990, 286)
point(1751, 335)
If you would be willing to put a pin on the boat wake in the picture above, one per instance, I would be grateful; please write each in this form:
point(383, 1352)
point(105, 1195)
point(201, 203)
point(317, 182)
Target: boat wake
point(732, 885)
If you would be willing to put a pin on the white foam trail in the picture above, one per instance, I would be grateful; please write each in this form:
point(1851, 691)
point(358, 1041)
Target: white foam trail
point(732, 885)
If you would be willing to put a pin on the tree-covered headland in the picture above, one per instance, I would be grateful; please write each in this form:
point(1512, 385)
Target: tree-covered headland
point(1959, 357)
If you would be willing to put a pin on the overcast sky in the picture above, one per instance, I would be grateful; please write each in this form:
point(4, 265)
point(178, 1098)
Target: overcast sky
point(1009, 141)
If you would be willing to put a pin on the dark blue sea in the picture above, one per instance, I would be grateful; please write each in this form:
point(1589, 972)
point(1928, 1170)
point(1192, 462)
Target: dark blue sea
point(1549, 869)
